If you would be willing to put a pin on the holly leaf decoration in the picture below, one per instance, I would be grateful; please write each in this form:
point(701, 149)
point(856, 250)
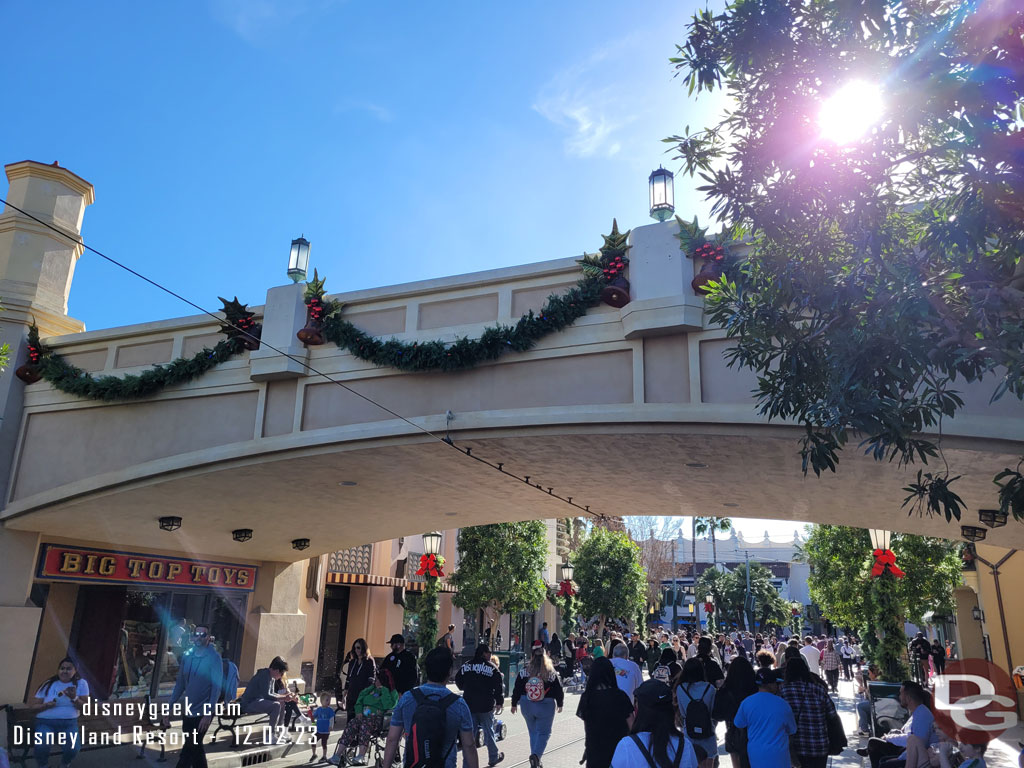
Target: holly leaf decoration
point(315, 287)
point(615, 245)
point(690, 235)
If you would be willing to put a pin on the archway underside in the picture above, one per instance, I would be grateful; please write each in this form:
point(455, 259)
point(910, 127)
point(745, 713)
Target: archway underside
point(416, 486)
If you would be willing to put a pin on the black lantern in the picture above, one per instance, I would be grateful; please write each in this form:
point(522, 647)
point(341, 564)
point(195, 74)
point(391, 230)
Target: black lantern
point(300, 544)
point(241, 534)
point(662, 194)
point(993, 518)
point(977, 614)
point(298, 260)
point(170, 523)
point(432, 543)
point(567, 571)
point(972, 532)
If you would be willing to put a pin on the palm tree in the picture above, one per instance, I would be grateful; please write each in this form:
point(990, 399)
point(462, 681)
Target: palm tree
point(703, 526)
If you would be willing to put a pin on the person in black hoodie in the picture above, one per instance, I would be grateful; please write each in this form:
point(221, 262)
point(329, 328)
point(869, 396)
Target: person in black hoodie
point(400, 664)
point(484, 692)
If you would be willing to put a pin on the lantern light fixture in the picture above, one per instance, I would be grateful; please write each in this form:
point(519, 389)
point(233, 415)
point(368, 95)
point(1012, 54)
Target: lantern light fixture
point(662, 193)
point(993, 518)
point(298, 259)
point(880, 538)
point(709, 598)
point(171, 523)
point(300, 544)
point(241, 534)
point(567, 571)
point(432, 543)
point(973, 532)
point(977, 614)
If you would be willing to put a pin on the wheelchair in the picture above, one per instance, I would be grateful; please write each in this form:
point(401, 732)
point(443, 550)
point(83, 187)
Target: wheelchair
point(375, 749)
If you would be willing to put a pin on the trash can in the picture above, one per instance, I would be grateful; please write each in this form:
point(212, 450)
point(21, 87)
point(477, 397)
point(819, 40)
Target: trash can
point(306, 674)
point(509, 663)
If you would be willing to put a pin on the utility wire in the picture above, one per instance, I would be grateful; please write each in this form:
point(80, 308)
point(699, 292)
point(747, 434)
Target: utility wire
point(468, 452)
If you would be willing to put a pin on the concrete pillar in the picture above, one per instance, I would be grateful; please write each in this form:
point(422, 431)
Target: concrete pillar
point(275, 625)
point(969, 641)
point(36, 268)
point(283, 316)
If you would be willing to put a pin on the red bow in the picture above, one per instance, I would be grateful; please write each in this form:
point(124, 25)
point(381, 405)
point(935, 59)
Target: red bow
point(565, 589)
point(884, 558)
point(429, 564)
point(709, 607)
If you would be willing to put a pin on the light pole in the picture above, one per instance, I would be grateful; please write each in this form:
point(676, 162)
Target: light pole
point(431, 563)
point(675, 590)
point(886, 617)
point(566, 590)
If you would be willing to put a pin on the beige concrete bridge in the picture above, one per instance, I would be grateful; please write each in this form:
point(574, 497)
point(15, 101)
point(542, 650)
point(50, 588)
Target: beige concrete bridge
point(629, 411)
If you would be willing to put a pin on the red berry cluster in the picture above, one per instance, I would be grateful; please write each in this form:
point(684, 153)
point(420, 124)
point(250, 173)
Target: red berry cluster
point(245, 323)
point(710, 252)
point(615, 266)
point(34, 353)
point(316, 308)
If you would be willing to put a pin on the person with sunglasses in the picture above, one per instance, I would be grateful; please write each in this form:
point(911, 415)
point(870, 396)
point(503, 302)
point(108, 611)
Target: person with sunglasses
point(362, 670)
point(198, 687)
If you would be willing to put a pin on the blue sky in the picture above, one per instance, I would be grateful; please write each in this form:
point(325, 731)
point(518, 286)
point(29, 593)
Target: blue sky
point(405, 140)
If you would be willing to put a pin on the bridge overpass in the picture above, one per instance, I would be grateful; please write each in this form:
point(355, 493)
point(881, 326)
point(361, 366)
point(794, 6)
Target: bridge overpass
point(630, 411)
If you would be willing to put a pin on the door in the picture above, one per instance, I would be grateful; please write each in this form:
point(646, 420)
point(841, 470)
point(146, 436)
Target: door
point(332, 637)
point(97, 637)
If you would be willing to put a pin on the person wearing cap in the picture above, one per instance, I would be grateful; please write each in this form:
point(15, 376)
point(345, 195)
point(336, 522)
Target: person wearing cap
point(400, 665)
point(655, 741)
point(539, 692)
point(769, 722)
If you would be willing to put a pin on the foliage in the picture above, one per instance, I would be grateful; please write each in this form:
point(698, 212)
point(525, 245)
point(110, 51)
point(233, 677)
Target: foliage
point(710, 526)
point(558, 313)
point(840, 560)
point(891, 649)
point(884, 273)
point(501, 565)
point(612, 582)
point(427, 607)
point(729, 589)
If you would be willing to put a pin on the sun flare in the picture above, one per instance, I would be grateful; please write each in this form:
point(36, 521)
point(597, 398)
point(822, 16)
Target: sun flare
point(850, 112)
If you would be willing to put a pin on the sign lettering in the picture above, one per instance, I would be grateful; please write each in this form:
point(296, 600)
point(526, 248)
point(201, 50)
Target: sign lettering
point(85, 565)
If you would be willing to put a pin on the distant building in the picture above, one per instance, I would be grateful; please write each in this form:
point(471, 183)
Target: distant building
point(789, 575)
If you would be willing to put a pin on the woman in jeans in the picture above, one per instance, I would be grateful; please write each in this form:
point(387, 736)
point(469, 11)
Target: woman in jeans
point(830, 662)
point(62, 696)
point(812, 707)
point(539, 692)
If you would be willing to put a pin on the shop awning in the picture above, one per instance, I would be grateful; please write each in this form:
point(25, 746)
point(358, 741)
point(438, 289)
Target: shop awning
point(417, 586)
point(364, 579)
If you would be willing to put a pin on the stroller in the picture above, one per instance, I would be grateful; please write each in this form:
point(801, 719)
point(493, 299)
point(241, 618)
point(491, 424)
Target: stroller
point(500, 732)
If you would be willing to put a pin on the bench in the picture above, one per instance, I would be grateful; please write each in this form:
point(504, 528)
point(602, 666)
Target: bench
point(25, 716)
point(226, 721)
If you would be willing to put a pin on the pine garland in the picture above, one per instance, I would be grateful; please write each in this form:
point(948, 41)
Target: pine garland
point(558, 313)
point(242, 333)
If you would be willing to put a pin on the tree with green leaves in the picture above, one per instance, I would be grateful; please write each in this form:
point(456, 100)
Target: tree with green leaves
point(880, 272)
point(612, 582)
point(710, 526)
point(840, 584)
point(501, 566)
point(729, 590)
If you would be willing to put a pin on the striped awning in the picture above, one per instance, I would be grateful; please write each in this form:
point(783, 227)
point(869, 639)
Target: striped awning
point(364, 579)
point(417, 586)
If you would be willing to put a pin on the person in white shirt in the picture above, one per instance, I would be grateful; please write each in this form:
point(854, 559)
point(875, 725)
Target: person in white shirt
point(62, 697)
point(627, 674)
point(812, 655)
point(656, 740)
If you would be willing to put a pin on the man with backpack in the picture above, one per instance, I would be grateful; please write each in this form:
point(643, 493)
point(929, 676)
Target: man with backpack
point(434, 720)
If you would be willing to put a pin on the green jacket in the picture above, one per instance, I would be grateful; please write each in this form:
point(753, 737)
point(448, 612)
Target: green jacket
point(377, 700)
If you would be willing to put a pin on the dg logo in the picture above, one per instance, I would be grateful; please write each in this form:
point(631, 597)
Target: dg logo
point(975, 701)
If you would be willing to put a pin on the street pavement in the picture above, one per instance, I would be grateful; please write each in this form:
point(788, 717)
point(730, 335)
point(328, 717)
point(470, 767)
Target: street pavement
point(565, 749)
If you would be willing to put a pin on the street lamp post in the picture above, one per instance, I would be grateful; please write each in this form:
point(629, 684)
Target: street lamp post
point(886, 617)
point(430, 568)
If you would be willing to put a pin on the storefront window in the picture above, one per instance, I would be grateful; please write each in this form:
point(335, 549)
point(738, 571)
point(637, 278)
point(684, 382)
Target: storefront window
point(139, 644)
